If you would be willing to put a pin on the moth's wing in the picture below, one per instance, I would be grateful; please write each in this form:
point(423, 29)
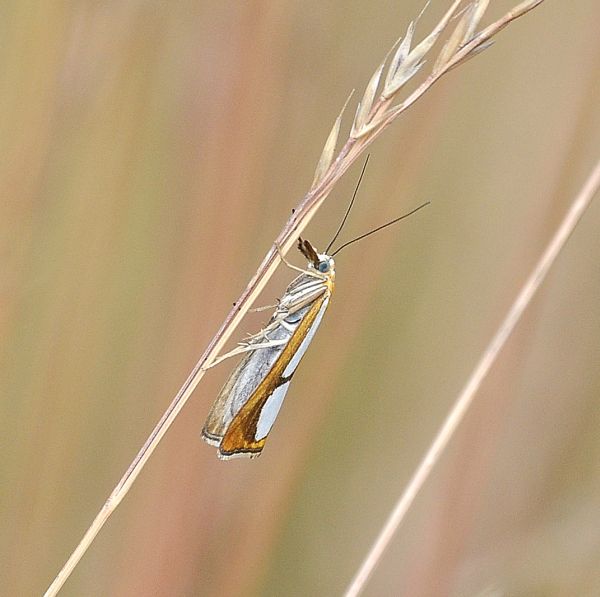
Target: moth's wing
point(243, 380)
point(254, 367)
point(248, 430)
point(217, 420)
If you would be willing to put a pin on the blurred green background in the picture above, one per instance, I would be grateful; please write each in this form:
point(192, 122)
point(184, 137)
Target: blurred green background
point(150, 153)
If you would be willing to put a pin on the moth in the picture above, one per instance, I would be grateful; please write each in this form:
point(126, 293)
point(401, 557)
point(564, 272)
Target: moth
point(248, 404)
point(241, 418)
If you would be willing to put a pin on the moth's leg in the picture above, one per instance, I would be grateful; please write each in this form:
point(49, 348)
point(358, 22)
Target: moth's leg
point(265, 308)
point(245, 348)
point(295, 268)
point(263, 332)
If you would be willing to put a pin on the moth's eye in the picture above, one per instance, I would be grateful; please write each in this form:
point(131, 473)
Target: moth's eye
point(323, 266)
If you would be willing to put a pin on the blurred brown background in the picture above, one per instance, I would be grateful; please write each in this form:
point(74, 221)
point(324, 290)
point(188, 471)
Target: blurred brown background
point(150, 152)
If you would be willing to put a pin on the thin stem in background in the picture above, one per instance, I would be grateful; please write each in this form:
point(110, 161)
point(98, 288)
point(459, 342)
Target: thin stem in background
point(375, 112)
point(467, 395)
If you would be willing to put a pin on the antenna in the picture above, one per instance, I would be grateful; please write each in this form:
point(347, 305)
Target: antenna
point(349, 206)
point(410, 213)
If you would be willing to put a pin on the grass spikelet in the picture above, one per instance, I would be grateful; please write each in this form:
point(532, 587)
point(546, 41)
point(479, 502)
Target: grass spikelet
point(398, 60)
point(363, 111)
point(329, 147)
point(455, 41)
point(424, 46)
point(477, 12)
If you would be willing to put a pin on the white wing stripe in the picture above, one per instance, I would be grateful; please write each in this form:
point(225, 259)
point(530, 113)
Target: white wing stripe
point(291, 366)
point(270, 410)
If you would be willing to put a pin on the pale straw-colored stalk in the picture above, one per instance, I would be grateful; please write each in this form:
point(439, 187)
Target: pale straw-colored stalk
point(467, 395)
point(378, 107)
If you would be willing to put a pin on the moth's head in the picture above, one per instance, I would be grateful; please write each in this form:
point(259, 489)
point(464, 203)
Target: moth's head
point(319, 261)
